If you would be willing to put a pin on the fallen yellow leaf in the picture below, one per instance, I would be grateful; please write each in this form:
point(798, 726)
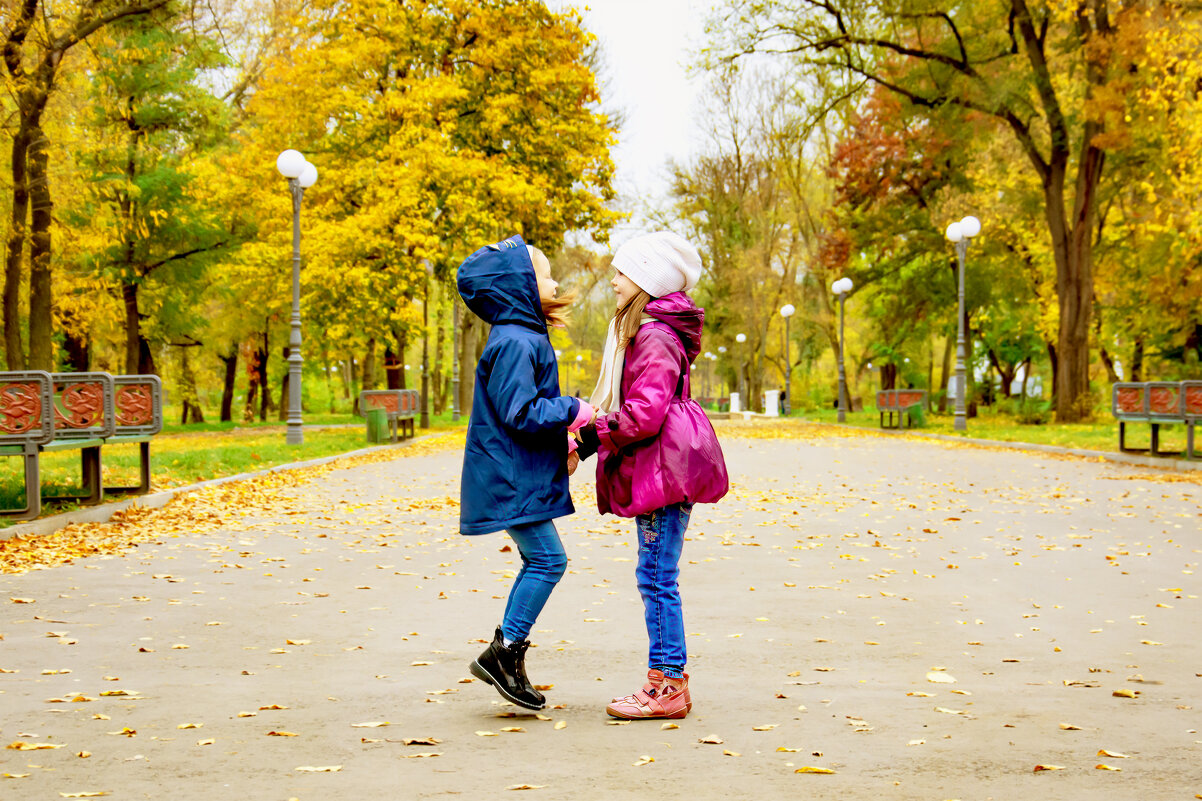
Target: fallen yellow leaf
point(643, 760)
point(326, 769)
point(1113, 754)
point(1038, 768)
point(20, 745)
point(1104, 766)
point(95, 794)
point(713, 739)
point(939, 677)
point(561, 724)
point(525, 787)
point(810, 769)
point(281, 734)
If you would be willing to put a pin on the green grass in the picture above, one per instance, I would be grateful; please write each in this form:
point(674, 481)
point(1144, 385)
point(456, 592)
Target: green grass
point(183, 455)
point(1102, 434)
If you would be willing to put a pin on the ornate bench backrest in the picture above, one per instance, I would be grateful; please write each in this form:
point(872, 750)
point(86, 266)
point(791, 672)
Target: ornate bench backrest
point(387, 399)
point(1129, 400)
point(1164, 399)
point(908, 397)
point(83, 405)
point(1191, 394)
point(409, 401)
point(137, 405)
point(26, 404)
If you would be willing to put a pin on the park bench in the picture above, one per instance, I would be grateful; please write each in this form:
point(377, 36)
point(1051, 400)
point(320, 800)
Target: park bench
point(399, 404)
point(900, 402)
point(44, 413)
point(1157, 403)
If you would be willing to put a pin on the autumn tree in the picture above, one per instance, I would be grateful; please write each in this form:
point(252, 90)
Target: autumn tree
point(1043, 73)
point(37, 40)
point(152, 231)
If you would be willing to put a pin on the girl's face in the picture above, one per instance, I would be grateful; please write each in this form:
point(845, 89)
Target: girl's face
point(542, 271)
point(624, 289)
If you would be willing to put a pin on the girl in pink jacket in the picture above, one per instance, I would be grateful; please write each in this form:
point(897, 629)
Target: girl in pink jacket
point(657, 453)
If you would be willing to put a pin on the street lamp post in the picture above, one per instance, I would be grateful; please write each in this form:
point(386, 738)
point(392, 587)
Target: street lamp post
point(580, 370)
point(455, 357)
point(723, 390)
point(786, 311)
point(958, 233)
point(841, 288)
point(740, 378)
point(425, 416)
point(301, 175)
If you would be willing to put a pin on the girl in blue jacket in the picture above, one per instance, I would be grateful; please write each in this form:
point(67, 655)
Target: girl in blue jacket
point(515, 473)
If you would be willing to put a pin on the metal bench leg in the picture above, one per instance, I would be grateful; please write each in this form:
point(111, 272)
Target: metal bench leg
point(92, 485)
point(33, 485)
point(144, 477)
point(1122, 437)
point(1156, 439)
point(1189, 440)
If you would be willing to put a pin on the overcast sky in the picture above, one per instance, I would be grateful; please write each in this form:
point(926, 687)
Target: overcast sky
point(647, 46)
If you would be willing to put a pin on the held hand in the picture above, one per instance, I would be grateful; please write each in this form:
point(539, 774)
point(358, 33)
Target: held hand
point(573, 462)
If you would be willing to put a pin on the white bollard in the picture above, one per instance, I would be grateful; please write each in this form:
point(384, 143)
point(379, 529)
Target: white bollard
point(735, 405)
point(772, 402)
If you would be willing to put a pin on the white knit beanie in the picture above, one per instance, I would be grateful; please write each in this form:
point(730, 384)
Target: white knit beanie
point(659, 263)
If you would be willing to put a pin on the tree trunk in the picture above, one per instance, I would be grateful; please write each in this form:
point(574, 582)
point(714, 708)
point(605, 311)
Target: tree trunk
point(325, 366)
point(252, 382)
point(265, 400)
point(283, 413)
point(189, 397)
point(440, 338)
point(369, 365)
point(133, 335)
point(1137, 361)
point(76, 347)
point(949, 345)
point(13, 347)
point(41, 302)
point(888, 376)
point(467, 360)
point(227, 390)
point(393, 368)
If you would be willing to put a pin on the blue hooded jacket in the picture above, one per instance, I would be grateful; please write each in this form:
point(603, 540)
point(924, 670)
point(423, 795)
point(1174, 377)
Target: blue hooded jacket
point(514, 467)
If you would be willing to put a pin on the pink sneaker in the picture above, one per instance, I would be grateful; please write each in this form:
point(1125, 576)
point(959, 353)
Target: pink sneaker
point(661, 697)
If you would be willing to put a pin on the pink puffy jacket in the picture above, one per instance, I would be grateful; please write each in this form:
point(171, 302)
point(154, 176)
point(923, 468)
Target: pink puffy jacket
point(659, 448)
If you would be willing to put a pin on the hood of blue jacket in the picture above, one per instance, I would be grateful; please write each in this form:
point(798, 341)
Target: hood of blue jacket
point(498, 284)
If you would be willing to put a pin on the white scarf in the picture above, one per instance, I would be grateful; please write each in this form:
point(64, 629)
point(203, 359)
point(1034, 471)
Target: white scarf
point(607, 396)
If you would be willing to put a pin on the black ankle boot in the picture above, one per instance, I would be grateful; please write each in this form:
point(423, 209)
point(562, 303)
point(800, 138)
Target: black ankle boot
point(505, 669)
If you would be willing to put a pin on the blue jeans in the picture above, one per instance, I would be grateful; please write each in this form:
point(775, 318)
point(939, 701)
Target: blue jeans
point(661, 539)
point(543, 565)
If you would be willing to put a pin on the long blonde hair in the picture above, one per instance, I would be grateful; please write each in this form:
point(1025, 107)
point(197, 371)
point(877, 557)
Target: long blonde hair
point(555, 311)
point(628, 318)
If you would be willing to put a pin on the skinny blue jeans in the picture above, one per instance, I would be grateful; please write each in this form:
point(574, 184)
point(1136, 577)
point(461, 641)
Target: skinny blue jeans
point(661, 540)
point(543, 564)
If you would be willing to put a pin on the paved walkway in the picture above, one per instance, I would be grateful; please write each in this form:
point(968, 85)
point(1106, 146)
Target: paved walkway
point(927, 621)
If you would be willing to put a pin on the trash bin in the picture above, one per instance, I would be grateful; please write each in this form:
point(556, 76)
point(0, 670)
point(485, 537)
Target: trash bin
point(377, 425)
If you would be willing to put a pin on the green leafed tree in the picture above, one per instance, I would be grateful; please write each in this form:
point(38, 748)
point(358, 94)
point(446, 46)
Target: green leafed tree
point(150, 229)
